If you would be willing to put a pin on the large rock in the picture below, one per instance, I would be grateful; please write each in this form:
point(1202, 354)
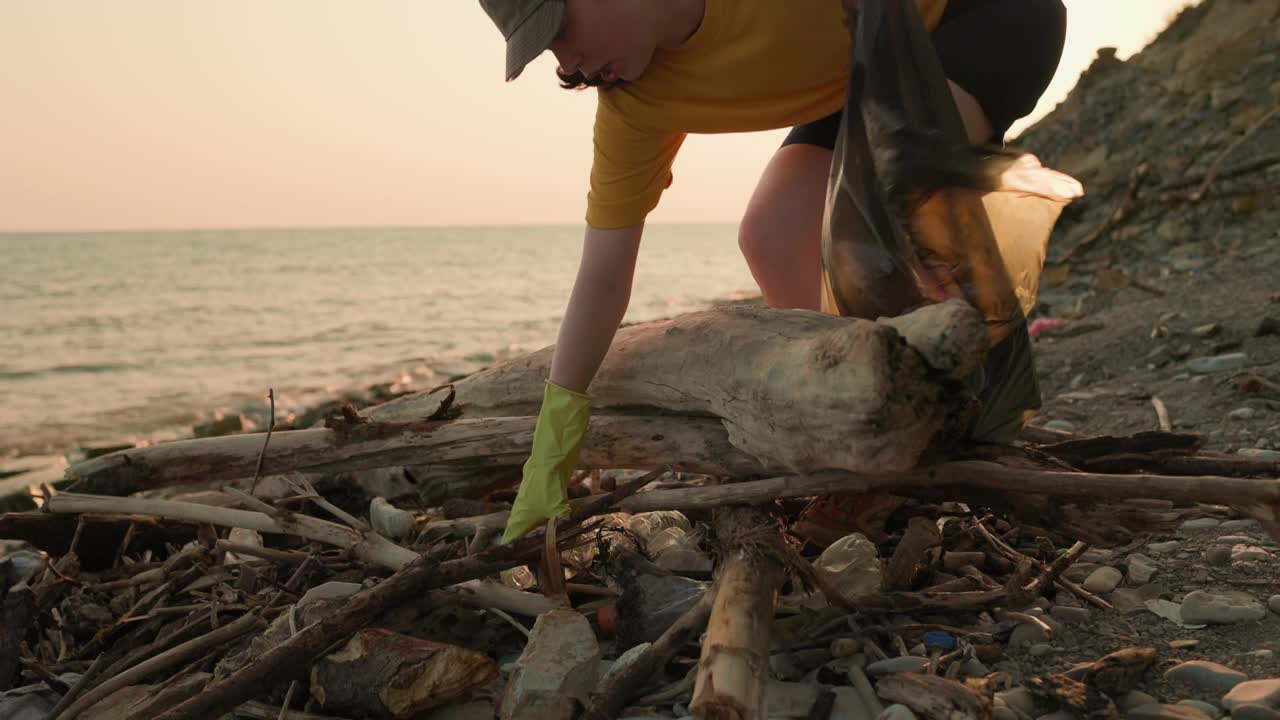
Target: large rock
point(1103, 580)
point(1208, 677)
point(1201, 607)
point(557, 670)
point(1254, 692)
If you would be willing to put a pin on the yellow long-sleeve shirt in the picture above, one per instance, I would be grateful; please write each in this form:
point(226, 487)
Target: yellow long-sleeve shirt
point(751, 65)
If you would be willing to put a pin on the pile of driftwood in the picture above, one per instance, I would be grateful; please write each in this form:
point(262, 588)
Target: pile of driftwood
point(355, 570)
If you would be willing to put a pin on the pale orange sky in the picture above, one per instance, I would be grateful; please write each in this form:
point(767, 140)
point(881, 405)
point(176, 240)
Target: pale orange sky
point(241, 113)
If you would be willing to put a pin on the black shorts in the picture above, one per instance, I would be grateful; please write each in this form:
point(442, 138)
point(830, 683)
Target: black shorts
point(1002, 52)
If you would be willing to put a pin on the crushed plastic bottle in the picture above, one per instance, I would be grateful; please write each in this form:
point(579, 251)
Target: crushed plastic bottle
point(852, 567)
point(653, 603)
point(646, 525)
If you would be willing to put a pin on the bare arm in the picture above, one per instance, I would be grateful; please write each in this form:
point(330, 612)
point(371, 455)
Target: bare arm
point(597, 305)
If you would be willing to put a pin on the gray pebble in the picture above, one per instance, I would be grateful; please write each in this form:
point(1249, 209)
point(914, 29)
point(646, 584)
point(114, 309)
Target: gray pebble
point(1004, 713)
point(1073, 615)
point(1020, 699)
point(1164, 547)
point(974, 668)
point(907, 664)
point(1254, 712)
point(844, 647)
point(897, 712)
point(1103, 580)
point(1027, 634)
point(1165, 712)
point(1213, 711)
point(1234, 525)
point(1060, 425)
point(1274, 603)
point(1207, 677)
point(1096, 555)
point(1217, 363)
point(1079, 571)
point(1244, 413)
point(1205, 523)
point(1141, 568)
point(1040, 649)
point(1201, 608)
point(1135, 699)
point(1218, 555)
point(1234, 540)
point(1254, 692)
point(1248, 553)
point(1128, 600)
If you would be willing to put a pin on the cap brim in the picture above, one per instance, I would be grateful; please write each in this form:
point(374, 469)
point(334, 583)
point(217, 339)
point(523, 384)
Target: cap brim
point(533, 36)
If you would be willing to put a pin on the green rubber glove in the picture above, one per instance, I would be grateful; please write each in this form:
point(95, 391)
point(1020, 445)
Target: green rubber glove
point(557, 440)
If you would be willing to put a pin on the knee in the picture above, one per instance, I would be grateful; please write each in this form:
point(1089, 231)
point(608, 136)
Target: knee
point(750, 232)
point(760, 231)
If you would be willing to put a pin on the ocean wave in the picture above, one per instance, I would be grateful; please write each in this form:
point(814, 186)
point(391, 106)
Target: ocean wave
point(89, 369)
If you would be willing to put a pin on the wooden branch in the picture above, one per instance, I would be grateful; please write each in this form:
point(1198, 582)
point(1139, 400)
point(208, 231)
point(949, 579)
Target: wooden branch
point(165, 660)
point(467, 454)
point(370, 547)
point(1257, 497)
point(1121, 212)
point(735, 653)
point(1212, 173)
point(1261, 162)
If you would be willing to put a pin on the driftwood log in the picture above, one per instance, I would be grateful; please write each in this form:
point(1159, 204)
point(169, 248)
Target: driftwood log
point(734, 665)
point(789, 391)
point(781, 390)
point(450, 459)
point(796, 390)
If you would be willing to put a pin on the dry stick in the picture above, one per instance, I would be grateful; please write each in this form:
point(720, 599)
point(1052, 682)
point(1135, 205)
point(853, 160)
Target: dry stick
point(1050, 574)
point(291, 557)
point(1212, 172)
point(1003, 548)
point(271, 425)
point(626, 684)
point(165, 660)
point(1118, 214)
point(371, 548)
point(291, 658)
point(1260, 163)
point(288, 698)
point(1162, 414)
point(1258, 497)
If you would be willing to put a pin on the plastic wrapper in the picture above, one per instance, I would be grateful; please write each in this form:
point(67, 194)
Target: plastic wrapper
point(916, 215)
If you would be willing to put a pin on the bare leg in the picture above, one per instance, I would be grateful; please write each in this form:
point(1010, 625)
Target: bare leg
point(781, 230)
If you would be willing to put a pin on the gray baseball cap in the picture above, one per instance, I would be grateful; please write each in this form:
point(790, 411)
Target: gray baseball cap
point(529, 27)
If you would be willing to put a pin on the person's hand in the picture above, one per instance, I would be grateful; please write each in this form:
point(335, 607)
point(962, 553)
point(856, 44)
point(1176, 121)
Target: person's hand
point(557, 440)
